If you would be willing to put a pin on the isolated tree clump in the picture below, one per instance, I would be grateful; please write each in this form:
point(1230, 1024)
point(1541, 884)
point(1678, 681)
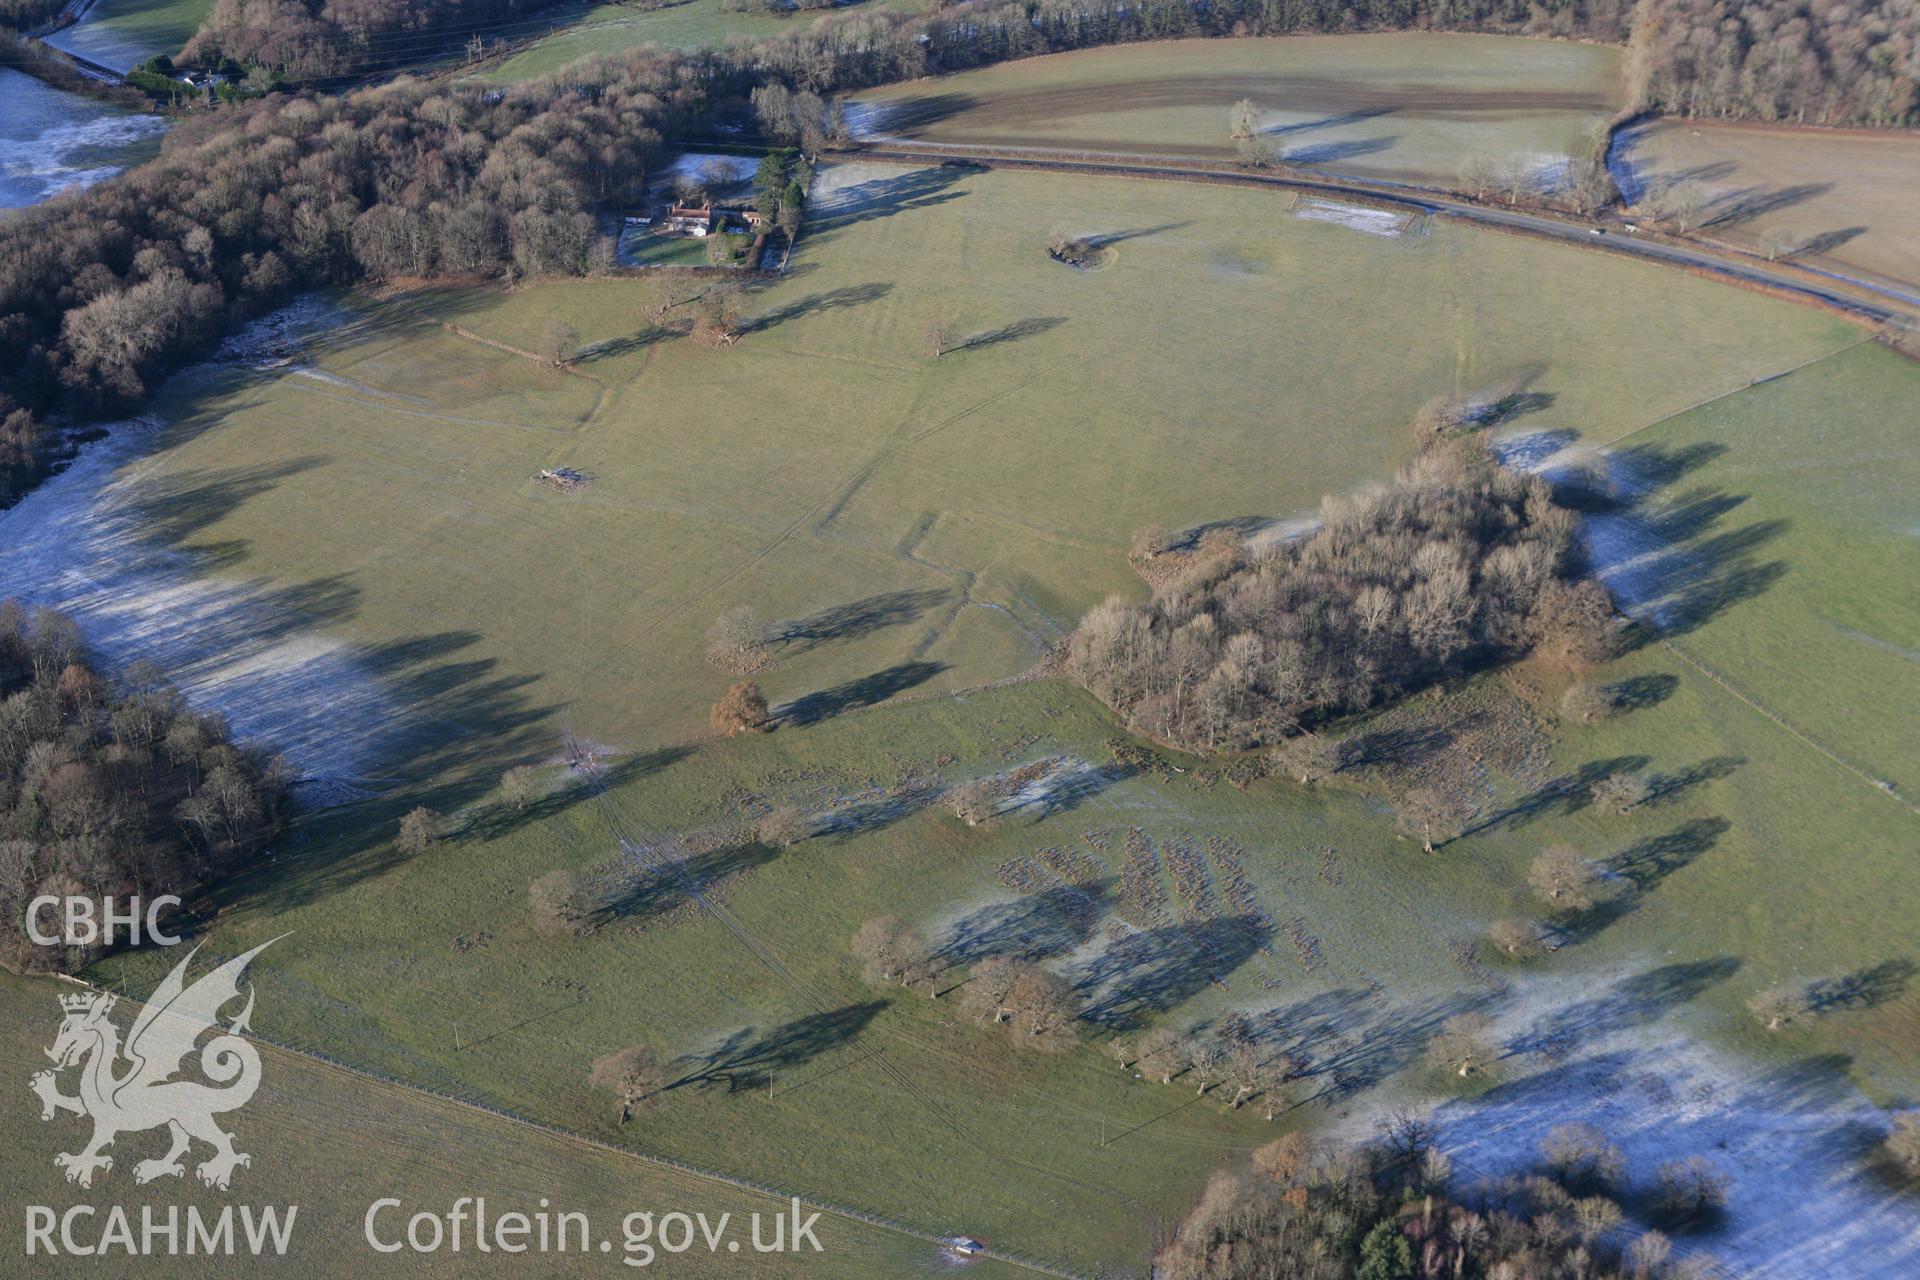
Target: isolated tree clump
point(785, 827)
point(975, 803)
point(889, 952)
point(1310, 757)
point(1458, 563)
point(742, 710)
point(1779, 1008)
point(562, 903)
point(419, 830)
point(520, 785)
point(1621, 793)
point(1582, 1157)
point(1429, 815)
point(1243, 120)
point(738, 642)
point(1902, 1143)
point(558, 343)
point(1690, 1190)
point(1462, 1047)
point(1587, 703)
point(1514, 938)
point(1564, 878)
point(634, 1076)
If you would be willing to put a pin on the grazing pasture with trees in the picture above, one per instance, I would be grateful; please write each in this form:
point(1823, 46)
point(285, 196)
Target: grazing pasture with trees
point(1270, 954)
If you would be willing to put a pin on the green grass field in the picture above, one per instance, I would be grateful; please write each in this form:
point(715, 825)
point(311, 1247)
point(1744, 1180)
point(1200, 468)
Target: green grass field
point(926, 525)
point(1406, 106)
point(333, 1144)
point(1844, 199)
point(1796, 501)
point(121, 33)
point(687, 24)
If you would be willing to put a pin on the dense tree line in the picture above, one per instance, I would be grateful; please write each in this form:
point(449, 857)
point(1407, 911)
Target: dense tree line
point(110, 790)
point(1833, 62)
point(25, 15)
point(104, 292)
point(310, 39)
point(1390, 1210)
point(1457, 562)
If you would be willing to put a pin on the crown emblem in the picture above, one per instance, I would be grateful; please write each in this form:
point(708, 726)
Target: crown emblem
point(77, 1004)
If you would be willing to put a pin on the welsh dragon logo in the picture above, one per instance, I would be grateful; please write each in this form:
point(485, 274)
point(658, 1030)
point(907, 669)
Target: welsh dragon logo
point(133, 1087)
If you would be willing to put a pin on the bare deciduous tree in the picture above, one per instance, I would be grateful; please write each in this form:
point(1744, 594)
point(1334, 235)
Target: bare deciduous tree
point(1310, 757)
point(889, 951)
point(1621, 792)
point(1564, 878)
point(520, 785)
point(562, 903)
point(1902, 1144)
point(1647, 1254)
point(1781, 1007)
point(1582, 1157)
point(1777, 243)
point(1045, 1008)
point(785, 827)
point(1243, 120)
point(1163, 1055)
point(1690, 1189)
point(558, 343)
point(1479, 174)
point(1428, 813)
point(1682, 206)
point(989, 988)
point(739, 642)
point(419, 830)
point(1462, 1047)
point(1587, 703)
point(1514, 938)
point(975, 802)
point(635, 1077)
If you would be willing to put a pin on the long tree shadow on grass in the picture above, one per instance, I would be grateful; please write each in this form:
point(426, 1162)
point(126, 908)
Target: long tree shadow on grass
point(634, 891)
point(1019, 329)
point(1635, 1002)
point(852, 295)
point(883, 197)
point(1031, 927)
point(1329, 122)
point(750, 1058)
point(1558, 797)
point(1636, 872)
point(498, 819)
point(1336, 150)
point(1867, 988)
point(1346, 1040)
point(1152, 970)
point(1827, 241)
point(920, 113)
point(863, 692)
point(1666, 554)
point(1749, 203)
point(856, 619)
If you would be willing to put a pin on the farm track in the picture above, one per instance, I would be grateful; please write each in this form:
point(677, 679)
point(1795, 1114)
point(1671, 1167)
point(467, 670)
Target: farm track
point(1806, 287)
